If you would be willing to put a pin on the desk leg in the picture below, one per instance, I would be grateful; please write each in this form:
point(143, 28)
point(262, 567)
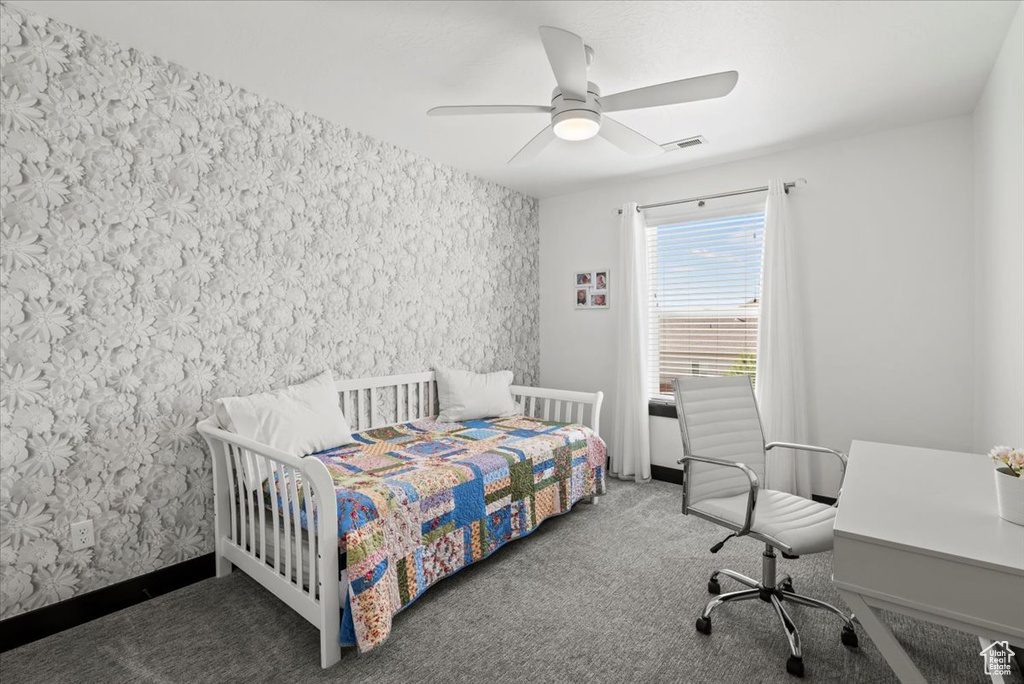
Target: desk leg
point(891, 650)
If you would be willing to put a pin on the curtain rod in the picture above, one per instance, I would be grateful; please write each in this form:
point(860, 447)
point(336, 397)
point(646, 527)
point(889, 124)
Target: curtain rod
point(785, 186)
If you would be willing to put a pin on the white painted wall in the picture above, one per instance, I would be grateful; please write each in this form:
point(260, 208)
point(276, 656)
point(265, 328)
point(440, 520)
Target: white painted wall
point(999, 249)
point(885, 249)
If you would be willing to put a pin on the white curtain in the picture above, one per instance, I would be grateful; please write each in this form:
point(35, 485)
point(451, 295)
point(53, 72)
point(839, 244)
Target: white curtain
point(780, 389)
point(631, 447)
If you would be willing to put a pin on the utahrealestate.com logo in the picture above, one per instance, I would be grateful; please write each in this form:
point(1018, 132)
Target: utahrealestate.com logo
point(997, 658)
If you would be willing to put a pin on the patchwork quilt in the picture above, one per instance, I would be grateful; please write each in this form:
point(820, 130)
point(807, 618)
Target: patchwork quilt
point(420, 501)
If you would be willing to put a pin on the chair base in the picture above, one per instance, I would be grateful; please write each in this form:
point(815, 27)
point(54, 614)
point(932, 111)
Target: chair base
point(776, 594)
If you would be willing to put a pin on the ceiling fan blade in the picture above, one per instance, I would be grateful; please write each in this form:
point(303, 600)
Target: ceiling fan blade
point(568, 58)
point(675, 92)
point(533, 148)
point(626, 139)
point(489, 109)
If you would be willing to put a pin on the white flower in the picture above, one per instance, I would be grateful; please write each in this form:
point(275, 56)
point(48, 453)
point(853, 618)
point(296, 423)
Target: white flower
point(172, 88)
point(30, 487)
point(130, 86)
point(42, 186)
point(21, 386)
point(68, 35)
point(17, 584)
point(66, 111)
point(178, 431)
point(174, 205)
point(1009, 457)
point(176, 318)
point(30, 281)
point(134, 208)
point(19, 111)
point(46, 321)
point(52, 585)
point(43, 50)
point(23, 522)
point(29, 145)
point(20, 249)
point(183, 543)
point(35, 418)
point(49, 454)
point(75, 428)
point(13, 449)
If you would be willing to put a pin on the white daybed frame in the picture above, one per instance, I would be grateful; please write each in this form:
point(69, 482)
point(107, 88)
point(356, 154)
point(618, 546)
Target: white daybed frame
point(307, 579)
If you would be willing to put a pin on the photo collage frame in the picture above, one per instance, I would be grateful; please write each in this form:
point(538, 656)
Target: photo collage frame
point(590, 288)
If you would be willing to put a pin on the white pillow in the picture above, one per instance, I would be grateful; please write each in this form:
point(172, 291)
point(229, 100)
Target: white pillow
point(463, 395)
point(297, 420)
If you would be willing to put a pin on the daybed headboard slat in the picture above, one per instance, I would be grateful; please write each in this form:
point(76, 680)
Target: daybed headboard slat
point(258, 466)
point(233, 493)
point(240, 477)
point(272, 475)
point(373, 407)
point(286, 507)
point(311, 540)
point(295, 516)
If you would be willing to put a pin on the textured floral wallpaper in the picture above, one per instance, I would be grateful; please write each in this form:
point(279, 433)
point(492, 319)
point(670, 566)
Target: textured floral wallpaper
point(169, 239)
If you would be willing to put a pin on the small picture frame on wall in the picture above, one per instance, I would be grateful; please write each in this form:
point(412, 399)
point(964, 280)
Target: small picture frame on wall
point(582, 297)
point(591, 289)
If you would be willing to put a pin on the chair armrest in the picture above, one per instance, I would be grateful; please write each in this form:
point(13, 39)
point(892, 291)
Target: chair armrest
point(807, 447)
point(751, 493)
point(815, 449)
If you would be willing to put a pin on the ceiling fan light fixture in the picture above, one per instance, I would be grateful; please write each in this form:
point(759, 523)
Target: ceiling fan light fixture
point(577, 124)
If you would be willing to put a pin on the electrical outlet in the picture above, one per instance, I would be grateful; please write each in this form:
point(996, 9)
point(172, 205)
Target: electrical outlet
point(83, 535)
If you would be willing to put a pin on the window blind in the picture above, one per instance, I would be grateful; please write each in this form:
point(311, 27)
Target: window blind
point(705, 297)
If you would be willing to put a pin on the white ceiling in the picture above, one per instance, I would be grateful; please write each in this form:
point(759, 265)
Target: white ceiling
point(808, 70)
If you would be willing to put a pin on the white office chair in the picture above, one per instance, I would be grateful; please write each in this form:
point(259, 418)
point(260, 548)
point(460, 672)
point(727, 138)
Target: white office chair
point(724, 455)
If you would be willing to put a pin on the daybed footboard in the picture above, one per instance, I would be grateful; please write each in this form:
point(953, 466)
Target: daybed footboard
point(263, 534)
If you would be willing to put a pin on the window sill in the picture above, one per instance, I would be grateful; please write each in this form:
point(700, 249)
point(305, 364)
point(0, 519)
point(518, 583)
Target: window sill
point(662, 409)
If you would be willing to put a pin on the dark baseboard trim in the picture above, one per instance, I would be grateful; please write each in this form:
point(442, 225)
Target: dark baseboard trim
point(827, 500)
point(666, 474)
point(662, 410)
point(42, 622)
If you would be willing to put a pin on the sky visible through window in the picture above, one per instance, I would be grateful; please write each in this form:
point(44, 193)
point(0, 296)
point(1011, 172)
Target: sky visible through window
point(707, 266)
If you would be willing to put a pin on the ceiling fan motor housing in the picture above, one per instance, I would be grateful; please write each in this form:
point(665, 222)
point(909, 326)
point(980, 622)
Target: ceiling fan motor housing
point(565, 110)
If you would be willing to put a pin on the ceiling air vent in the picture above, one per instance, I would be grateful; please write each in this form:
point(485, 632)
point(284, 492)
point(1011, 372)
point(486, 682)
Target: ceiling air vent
point(684, 143)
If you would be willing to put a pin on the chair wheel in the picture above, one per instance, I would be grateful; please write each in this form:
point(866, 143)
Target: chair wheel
point(849, 638)
point(795, 666)
point(787, 586)
point(704, 625)
point(714, 587)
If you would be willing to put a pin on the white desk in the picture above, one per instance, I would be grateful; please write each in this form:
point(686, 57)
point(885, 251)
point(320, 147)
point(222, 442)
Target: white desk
point(917, 532)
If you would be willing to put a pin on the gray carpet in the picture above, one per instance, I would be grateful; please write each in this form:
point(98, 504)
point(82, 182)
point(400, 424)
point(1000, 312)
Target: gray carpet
point(608, 593)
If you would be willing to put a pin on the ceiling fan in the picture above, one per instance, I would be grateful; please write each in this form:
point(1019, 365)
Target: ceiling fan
point(577, 107)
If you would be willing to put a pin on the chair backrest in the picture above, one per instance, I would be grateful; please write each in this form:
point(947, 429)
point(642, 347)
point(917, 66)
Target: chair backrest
point(718, 418)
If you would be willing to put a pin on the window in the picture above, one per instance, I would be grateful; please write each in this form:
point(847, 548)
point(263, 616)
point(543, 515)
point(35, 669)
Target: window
point(705, 297)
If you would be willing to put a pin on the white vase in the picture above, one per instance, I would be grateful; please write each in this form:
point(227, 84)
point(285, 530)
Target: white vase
point(1010, 495)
